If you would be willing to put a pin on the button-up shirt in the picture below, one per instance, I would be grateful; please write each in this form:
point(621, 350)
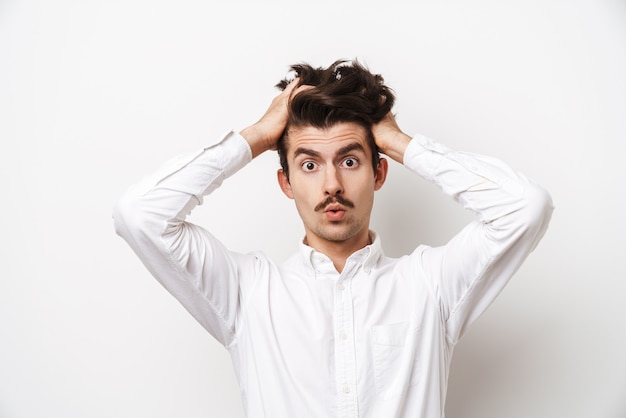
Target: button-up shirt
point(374, 341)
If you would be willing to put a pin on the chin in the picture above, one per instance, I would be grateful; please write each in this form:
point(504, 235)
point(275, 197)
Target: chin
point(339, 234)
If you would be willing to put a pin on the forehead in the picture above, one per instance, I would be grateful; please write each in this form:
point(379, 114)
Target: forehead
point(327, 140)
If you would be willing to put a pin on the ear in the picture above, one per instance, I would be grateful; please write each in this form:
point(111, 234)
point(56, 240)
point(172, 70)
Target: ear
point(381, 173)
point(283, 181)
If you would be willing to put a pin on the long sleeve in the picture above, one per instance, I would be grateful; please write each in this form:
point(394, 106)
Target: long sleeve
point(185, 258)
point(512, 215)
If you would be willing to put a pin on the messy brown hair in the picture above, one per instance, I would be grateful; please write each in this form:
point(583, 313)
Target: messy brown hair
point(346, 91)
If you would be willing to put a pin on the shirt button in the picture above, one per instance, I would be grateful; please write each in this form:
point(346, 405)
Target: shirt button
point(343, 336)
point(341, 287)
point(346, 389)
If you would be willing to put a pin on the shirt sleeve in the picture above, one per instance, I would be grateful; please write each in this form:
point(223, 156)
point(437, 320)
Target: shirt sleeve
point(512, 215)
point(186, 259)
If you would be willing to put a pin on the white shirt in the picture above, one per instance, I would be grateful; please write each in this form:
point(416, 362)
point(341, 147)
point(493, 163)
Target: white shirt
point(375, 341)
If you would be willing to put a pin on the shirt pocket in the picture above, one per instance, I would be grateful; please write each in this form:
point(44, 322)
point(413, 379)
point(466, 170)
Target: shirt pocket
point(395, 363)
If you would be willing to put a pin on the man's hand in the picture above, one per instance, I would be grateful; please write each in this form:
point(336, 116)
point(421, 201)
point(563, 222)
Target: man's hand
point(264, 134)
point(390, 139)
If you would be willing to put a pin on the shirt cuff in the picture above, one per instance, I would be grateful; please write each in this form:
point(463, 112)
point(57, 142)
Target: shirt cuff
point(232, 151)
point(423, 154)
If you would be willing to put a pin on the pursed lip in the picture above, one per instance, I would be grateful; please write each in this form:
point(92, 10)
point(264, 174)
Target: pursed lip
point(334, 203)
point(334, 208)
point(335, 212)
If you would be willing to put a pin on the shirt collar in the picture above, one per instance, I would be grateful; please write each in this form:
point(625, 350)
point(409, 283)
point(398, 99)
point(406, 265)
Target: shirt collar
point(365, 257)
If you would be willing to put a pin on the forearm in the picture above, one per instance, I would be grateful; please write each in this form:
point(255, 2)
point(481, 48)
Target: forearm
point(396, 146)
point(485, 185)
point(180, 184)
point(390, 139)
point(257, 140)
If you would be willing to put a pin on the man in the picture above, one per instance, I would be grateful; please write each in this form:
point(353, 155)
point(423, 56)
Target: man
point(339, 329)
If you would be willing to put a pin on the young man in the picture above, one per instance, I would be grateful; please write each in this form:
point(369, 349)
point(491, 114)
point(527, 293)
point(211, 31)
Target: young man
point(339, 329)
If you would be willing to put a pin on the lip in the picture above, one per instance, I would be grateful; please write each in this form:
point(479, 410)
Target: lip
point(335, 212)
point(334, 208)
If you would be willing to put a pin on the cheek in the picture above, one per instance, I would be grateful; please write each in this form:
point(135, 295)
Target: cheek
point(303, 193)
point(365, 194)
point(366, 197)
point(364, 184)
point(305, 185)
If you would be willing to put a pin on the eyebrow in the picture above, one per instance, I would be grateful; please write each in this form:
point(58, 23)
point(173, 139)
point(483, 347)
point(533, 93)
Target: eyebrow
point(355, 146)
point(305, 151)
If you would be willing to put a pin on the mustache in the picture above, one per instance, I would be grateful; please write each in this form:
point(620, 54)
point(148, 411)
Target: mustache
point(334, 199)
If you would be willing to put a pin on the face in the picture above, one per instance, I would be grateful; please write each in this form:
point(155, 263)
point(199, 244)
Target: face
point(332, 183)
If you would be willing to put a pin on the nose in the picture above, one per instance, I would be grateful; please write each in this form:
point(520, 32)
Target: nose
point(332, 181)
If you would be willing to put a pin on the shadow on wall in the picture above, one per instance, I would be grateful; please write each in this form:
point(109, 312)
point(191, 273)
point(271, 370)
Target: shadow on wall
point(409, 211)
point(495, 366)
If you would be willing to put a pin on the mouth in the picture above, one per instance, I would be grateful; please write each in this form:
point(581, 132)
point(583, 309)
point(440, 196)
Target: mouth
point(334, 203)
point(334, 212)
point(334, 208)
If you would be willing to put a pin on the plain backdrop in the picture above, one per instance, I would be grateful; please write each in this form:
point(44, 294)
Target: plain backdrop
point(96, 93)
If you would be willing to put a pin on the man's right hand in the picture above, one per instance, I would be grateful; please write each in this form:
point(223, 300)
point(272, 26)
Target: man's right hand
point(264, 134)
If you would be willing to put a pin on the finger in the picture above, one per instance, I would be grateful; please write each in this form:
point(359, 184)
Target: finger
point(300, 89)
point(292, 84)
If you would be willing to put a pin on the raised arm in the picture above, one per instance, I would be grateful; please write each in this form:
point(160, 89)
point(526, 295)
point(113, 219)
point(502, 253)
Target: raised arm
point(512, 215)
point(185, 258)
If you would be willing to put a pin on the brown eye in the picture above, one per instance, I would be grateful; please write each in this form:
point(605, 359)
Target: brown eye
point(350, 162)
point(309, 166)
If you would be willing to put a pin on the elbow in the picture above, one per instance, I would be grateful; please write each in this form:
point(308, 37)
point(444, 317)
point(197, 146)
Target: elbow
point(138, 220)
point(127, 217)
point(537, 212)
point(122, 214)
point(539, 204)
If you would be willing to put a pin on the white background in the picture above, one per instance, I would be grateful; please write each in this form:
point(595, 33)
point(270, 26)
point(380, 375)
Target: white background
point(95, 94)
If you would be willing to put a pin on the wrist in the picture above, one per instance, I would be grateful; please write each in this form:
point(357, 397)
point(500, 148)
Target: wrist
point(256, 140)
point(395, 146)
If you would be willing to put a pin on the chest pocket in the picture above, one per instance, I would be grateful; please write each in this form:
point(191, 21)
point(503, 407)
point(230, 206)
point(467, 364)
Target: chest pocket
point(395, 360)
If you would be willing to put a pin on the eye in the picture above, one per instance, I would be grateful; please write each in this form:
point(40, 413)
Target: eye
point(350, 162)
point(309, 166)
